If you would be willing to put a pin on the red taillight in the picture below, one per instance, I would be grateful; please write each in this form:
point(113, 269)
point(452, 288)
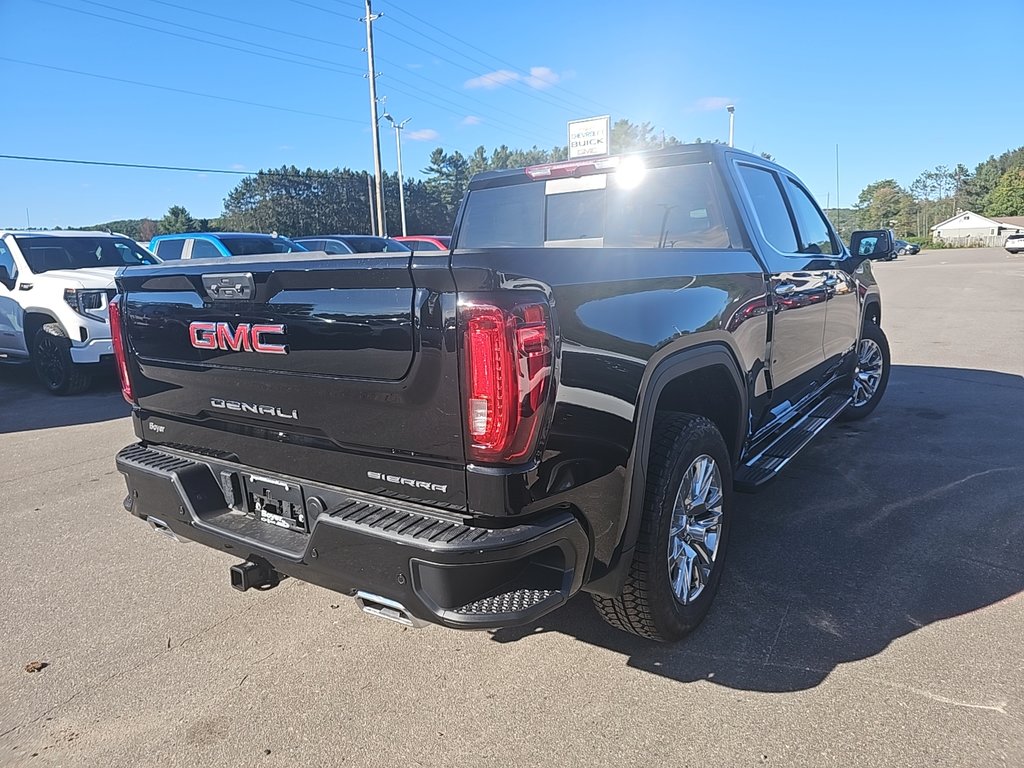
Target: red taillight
point(508, 372)
point(120, 350)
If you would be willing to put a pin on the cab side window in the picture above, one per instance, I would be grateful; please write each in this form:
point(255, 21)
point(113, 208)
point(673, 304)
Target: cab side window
point(770, 208)
point(204, 249)
point(815, 233)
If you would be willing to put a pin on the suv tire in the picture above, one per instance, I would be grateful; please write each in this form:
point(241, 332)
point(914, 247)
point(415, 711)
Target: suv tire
point(51, 359)
point(684, 533)
point(871, 375)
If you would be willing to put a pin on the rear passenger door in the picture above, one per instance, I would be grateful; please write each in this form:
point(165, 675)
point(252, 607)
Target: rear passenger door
point(798, 289)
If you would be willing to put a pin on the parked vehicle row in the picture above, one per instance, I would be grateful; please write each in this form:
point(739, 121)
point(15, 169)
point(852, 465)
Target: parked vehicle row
point(55, 288)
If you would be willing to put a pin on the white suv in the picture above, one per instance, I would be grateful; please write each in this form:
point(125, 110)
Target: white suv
point(55, 288)
point(1014, 243)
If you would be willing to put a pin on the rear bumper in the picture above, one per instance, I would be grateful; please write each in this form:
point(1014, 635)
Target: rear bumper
point(442, 568)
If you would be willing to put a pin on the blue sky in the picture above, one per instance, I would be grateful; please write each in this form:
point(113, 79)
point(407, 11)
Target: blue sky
point(901, 87)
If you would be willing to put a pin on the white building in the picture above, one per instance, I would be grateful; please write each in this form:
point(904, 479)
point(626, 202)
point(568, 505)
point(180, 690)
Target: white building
point(969, 228)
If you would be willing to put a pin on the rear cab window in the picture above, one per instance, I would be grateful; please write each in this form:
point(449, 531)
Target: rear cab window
point(672, 206)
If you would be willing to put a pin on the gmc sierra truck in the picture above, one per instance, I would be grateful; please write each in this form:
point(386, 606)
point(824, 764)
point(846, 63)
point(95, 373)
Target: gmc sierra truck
point(564, 401)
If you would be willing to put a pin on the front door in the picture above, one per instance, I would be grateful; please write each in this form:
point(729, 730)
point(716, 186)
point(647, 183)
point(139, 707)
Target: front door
point(798, 287)
point(12, 335)
point(842, 304)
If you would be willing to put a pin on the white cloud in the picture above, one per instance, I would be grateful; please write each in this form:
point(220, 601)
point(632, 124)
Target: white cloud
point(424, 134)
point(493, 79)
point(712, 103)
point(415, 66)
point(471, 120)
point(541, 78)
point(237, 167)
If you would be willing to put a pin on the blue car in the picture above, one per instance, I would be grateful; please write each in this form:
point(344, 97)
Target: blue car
point(205, 245)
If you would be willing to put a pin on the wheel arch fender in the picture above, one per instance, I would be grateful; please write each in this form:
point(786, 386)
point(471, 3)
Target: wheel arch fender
point(715, 359)
point(35, 318)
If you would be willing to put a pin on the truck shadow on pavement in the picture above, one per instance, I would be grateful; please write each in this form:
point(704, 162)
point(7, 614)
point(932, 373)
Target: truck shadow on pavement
point(25, 405)
point(880, 529)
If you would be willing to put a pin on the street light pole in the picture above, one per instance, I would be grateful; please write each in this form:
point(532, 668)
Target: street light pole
point(401, 179)
point(732, 122)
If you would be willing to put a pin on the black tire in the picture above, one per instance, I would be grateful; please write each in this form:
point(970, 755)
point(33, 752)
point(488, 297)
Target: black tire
point(873, 334)
point(648, 605)
point(51, 359)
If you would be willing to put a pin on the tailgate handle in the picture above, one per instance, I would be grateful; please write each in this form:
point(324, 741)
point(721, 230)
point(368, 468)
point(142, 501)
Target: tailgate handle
point(236, 286)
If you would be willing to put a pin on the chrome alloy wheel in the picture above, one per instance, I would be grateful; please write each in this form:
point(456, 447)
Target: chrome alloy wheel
point(868, 373)
point(695, 530)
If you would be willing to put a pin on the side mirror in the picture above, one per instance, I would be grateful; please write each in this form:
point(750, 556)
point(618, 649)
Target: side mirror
point(872, 244)
point(5, 278)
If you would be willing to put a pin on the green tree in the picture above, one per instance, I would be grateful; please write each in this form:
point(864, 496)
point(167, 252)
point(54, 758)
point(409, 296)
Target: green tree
point(178, 219)
point(1007, 199)
point(883, 204)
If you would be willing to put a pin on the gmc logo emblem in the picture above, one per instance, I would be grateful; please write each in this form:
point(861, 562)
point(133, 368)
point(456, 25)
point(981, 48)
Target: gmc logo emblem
point(243, 338)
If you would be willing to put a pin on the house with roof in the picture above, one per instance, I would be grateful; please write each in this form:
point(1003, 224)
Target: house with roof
point(969, 228)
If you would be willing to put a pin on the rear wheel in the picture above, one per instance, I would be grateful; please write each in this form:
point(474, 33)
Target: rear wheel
point(871, 374)
point(684, 533)
point(51, 358)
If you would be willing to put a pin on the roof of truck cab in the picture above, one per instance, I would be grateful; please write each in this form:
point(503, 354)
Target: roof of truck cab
point(703, 151)
point(58, 233)
point(216, 235)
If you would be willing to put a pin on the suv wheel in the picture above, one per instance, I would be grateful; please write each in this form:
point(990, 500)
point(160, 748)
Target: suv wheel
point(684, 534)
point(871, 374)
point(51, 358)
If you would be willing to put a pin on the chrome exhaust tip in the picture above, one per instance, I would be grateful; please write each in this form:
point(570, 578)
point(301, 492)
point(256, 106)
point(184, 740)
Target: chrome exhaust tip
point(163, 529)
point(384, 608)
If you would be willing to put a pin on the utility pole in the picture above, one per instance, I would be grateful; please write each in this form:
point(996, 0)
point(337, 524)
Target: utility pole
point(381, 227)
point(732, 122)
point(401, 179)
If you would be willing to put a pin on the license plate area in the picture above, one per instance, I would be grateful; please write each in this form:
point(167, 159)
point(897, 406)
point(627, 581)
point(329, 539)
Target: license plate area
point(275, 502)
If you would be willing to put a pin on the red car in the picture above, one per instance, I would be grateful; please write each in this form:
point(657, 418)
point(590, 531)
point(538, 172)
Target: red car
point(426, 242)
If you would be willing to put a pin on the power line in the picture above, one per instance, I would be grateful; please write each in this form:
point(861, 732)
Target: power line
point(261, 54)
point(260, 46)
point(179, 90)
point(321, 8)
point(181, 168)
point(146, 166)
point(334, 66)
point(256, 26)
point(461, 41)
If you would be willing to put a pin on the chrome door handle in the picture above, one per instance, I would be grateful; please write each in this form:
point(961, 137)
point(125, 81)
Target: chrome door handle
point(785, 289)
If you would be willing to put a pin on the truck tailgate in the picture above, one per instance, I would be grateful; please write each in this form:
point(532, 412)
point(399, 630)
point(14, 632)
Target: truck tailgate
point(340, 368)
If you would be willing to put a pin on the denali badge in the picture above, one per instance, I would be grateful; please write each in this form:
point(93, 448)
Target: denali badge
point(244, 337)
point(260, 410)
point(395, 480)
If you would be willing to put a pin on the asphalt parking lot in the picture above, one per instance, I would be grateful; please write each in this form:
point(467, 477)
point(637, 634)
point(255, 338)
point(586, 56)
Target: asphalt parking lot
point(872, 613)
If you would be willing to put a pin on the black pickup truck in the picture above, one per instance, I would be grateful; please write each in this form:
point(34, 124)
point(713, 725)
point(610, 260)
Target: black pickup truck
point(565, 401)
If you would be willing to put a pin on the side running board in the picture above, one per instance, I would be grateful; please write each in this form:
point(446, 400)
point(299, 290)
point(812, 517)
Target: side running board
point(769, 461)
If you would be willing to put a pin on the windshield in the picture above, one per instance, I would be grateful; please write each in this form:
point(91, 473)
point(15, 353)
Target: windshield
point(370, 244)
point(246, 245)
point(45, 254)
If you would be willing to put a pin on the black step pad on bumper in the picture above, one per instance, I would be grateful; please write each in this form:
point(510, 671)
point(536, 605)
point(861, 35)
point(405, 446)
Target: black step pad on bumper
point(442, 568)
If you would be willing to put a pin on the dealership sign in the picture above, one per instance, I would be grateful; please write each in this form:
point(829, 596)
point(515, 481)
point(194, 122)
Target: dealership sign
point(589, 137)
